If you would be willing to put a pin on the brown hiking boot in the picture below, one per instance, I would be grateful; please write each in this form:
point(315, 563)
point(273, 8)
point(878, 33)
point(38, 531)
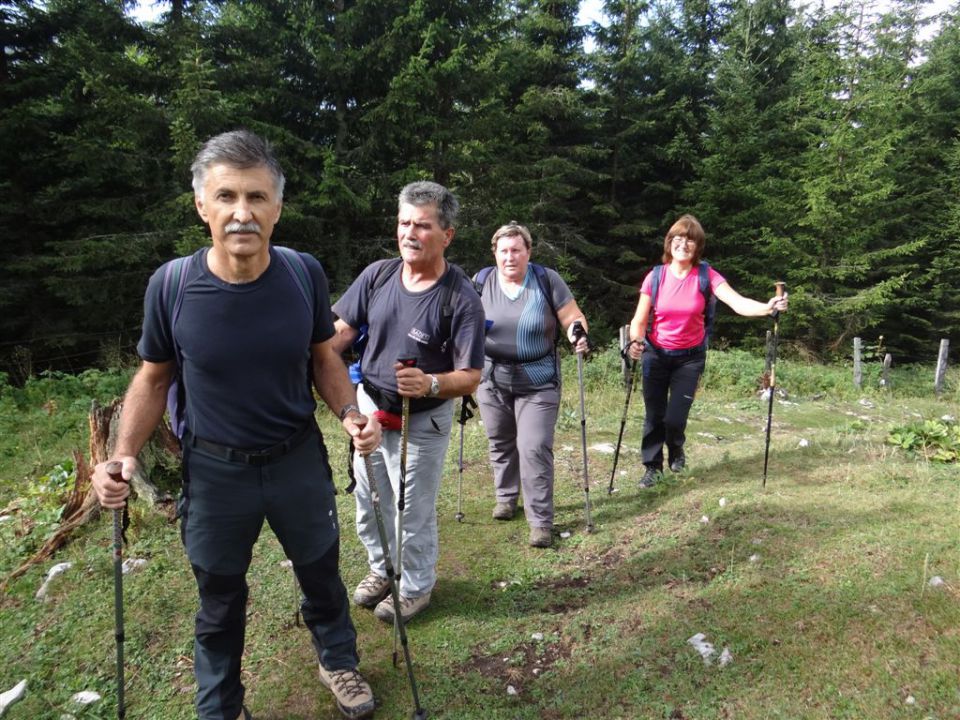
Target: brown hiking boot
point(504, 511)
point(408, 607)
point(353, 694)
point(541, 537)
point(371, 590)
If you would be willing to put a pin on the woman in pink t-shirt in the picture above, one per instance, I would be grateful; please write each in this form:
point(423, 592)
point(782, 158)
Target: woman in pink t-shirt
point(674, 346)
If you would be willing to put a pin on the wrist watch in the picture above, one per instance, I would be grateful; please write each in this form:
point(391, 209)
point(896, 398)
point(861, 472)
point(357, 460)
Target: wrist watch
point(347, 409)
point(434, 386)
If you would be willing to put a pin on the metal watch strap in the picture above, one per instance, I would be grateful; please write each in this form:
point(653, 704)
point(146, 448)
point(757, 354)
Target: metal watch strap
point(346, 409)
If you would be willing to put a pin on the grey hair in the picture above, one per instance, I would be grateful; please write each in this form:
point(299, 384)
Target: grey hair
point(424, 192)
point(239, 149)
point(512, 229)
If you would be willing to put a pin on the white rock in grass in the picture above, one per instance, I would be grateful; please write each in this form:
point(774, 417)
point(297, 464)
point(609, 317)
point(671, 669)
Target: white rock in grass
point(131, 564)
point(704, 519)
point(12, 695)
point(947, 418)
point(726, 657)
point(936, 581)
point(511, 690)
point(86, 697)
point(723, 502)
point(605, 448)
point(565, 534)
point(803, 443)
point(537, 636)
point(286, 563)
point(910, 700)
point(706, 649)
point(754, 558)
point(53, 572)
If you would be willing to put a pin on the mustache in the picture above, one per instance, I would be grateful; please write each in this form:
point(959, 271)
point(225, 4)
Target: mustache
point(247, 227)
point(413, 244)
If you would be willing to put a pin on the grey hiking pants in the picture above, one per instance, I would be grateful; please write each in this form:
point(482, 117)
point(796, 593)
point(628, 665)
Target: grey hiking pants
point(520, 433)
point(222, 510)
point(427, 442)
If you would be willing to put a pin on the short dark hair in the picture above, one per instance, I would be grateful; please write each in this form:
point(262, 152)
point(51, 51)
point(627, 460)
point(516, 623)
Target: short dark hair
point(239, 149)
point(424, 192)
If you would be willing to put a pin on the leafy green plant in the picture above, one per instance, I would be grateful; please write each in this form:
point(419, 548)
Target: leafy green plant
point(936, 440)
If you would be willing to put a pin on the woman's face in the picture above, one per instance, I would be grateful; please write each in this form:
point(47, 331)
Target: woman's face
point(512, 258)
point(682, 249)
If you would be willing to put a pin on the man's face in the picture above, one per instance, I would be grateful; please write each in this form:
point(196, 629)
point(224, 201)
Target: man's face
point(241, 207)
point(419, 235)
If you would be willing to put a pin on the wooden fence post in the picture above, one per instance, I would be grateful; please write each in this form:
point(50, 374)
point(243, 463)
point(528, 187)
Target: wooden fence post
point(857, 370)
point(941, 367)
point(885, 373)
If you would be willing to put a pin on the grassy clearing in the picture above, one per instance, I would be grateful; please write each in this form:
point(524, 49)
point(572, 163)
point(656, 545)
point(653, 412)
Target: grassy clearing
point(818, 586)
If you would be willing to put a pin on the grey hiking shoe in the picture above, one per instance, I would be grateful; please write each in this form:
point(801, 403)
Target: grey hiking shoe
point(678, 463)
point(541, 537)
point(408, 607)
point(504, 511)
point(371, 590)
point(650, 477)
point(353, 693)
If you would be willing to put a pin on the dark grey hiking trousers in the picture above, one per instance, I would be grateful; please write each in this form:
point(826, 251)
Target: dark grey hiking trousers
point(222, 510)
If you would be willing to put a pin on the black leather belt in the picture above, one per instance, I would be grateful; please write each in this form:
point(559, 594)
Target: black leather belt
point(256, 458)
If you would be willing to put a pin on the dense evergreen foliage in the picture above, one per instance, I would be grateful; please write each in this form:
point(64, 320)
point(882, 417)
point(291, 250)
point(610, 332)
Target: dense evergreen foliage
point(818, 146)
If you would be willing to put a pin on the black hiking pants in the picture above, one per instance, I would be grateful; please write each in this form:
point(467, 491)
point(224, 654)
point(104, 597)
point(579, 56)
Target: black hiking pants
point(222, 509)
point(669, 384)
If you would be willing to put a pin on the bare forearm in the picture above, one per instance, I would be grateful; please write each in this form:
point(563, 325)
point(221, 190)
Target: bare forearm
point(458, 383)
point(333, 383)
point(143, 407)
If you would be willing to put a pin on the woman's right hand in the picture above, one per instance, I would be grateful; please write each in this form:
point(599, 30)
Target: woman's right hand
point(635, 349)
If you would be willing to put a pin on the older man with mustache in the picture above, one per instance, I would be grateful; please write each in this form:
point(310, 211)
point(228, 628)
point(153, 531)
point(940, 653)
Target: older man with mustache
point(417, 308)
point(244, 336)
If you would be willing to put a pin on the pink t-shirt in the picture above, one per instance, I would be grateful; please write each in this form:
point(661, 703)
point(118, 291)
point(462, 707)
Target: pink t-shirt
point(678, 316)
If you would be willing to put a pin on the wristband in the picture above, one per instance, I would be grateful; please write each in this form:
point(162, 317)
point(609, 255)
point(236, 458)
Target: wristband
point(346, 409)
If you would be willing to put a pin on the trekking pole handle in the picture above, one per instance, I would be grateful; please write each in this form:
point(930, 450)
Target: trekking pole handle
point(114, 469)
point(779, 287)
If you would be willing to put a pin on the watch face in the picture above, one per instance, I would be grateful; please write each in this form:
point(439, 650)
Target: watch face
point(434, 386)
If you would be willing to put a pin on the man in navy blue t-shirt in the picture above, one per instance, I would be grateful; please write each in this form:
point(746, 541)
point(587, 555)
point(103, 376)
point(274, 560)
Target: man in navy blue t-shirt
point(247, 339)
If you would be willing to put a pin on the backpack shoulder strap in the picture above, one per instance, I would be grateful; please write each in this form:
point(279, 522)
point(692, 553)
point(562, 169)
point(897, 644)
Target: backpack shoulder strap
point(546, 287)
point(704, 272)
point(385, 271)
point(481, 279)
point(294, 264)
point(655, 285)
point(172, 288)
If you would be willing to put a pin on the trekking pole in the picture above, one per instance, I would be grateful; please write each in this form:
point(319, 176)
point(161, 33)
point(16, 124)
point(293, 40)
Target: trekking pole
point(467, 405)
point(114, 470)
point(780, 285)
point(402, 494)
point(578, 333)
point(393, 577)
point(626, 406)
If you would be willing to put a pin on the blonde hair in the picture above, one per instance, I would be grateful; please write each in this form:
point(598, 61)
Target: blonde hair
point(512, 229)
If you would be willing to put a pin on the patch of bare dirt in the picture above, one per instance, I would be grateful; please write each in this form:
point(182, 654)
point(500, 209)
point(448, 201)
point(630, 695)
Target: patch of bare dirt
point(521, 665)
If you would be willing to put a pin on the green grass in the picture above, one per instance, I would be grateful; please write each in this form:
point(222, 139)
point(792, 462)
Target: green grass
point(817, 585)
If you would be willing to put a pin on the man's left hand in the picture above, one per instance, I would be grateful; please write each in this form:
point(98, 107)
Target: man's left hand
point(412, 382)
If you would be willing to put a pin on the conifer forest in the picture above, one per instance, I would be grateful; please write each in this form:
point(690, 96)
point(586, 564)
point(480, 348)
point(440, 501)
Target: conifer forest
point(818, 144)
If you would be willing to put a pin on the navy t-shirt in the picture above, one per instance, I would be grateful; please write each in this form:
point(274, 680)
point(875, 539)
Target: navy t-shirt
point(245, 350)
point(405, 324)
